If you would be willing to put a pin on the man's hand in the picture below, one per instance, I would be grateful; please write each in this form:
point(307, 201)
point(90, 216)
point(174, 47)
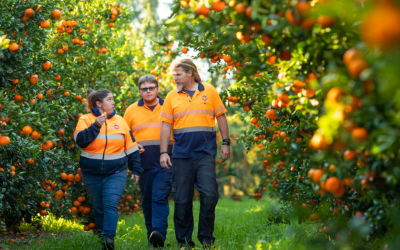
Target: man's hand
point(135, 178)
point(141, 149)
point(165, 161)
point(225, 152)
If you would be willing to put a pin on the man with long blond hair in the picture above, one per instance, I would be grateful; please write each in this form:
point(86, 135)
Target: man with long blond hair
point(190, 110)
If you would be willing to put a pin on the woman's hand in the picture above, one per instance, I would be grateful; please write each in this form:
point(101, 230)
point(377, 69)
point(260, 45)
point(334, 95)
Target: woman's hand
point(100, 120)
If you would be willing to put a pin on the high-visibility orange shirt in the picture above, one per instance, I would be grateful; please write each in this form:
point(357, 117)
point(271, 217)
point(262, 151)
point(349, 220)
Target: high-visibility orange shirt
point(146, 128)
point(193, 120)
point(105, 149)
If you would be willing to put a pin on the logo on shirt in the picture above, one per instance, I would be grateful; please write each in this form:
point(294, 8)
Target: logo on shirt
point(204, 98)
point(116, 126)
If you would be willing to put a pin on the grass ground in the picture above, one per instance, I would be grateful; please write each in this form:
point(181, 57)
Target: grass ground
point(239, 225)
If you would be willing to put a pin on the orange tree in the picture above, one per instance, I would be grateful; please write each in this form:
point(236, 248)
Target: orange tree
point(50, 53)
point(317, 82)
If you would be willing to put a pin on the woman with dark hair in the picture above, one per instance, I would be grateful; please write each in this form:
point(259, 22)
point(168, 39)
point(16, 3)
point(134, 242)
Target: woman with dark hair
point(107, 145)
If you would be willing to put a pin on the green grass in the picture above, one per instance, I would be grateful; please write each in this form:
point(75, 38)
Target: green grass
point(239, 225)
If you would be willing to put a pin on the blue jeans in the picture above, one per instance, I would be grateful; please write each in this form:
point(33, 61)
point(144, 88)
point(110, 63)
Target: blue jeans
point(105, 192)
point(200, 172)
point(155, 185)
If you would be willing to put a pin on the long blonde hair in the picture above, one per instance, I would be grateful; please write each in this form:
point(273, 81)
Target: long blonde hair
point(187, 65)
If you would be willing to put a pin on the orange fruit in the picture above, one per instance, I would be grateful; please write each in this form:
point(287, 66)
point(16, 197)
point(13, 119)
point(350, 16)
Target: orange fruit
point(47, 145)
point(110, 24)
point(44, 24)
point(334, 94)
point(303, 8)
point(33, 79)
point(36, 135)
point(78, 97)
point(15, 81)
point(47, 65)
point(308, 23)
point(308, 92)
point(184, 50)
point(254, 120)
point(66, 93)
point(285, 55)
point(81, 199)
point(248, 11)
point(39, 96)
point(377, 27)
point(359, 134)
point(13, 47)
point(55, 14)
point(317, 174)
point(91, 225)
point(57, 77)
point(240, 8)
point(60, 131)
point(64, 176)
point(218, 5)
point(271, 113)
point(332, 168)
point(37, 8)
point(71, 177)
point(60, 51)
point(325, 21)
point(4, 140)
point(332, 184)
point(82, 31)
point(283, 97)
point(356, 67)
point(78, 178)
point(201, 9)
point(266, 39)
point(18, 97)
point(77, 203)
point(350, 55)
point(298, 84)
point(349, 155)
point(290, 17)
point(29, 12)
point(319, 142)
point(27, 130)
point(313, 217)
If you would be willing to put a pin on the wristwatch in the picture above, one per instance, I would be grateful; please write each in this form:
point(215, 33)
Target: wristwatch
point(226, 142)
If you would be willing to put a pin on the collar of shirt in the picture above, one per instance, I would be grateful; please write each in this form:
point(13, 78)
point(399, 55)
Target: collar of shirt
point(96, 112)
point(200, 88)
point(160, 101)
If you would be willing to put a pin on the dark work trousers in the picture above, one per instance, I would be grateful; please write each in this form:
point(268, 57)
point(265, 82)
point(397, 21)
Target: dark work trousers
point(199, 172)
point(155, 185)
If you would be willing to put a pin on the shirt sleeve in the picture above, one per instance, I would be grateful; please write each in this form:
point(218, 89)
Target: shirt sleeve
point(85, 134)
point(167, 113)
point(127, 117)
point(132, 152)
point(218, 105)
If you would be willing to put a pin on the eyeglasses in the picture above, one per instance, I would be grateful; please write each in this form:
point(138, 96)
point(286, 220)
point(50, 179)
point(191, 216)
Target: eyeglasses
point(147, 89)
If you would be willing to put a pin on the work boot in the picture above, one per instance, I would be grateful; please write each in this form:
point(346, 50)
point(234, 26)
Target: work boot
point(156, 239)
point(108, 243)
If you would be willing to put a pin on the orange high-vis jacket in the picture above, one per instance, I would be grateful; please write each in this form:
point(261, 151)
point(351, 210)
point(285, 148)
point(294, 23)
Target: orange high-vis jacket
point(106, 150)
point(193, 120)
point(146, 128)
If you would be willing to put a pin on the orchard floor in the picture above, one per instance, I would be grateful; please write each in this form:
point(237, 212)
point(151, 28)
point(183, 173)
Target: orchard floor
point(239, 225)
